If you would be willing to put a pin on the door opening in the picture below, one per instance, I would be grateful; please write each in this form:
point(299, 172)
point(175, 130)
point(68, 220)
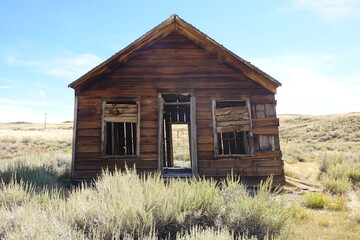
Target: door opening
point(177, 157)
point(180, 145)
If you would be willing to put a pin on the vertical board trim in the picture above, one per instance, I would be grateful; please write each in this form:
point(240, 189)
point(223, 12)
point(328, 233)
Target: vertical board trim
point(74, 139)
point(194, 160)
point(160, 134)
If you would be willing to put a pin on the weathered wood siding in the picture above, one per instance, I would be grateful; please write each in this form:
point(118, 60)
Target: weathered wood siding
point(175, 62)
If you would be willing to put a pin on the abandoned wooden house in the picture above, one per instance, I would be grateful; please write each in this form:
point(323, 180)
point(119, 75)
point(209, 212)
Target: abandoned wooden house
point(126, 108)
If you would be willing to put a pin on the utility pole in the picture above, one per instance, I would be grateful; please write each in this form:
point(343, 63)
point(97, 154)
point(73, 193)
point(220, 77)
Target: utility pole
point(45, 121)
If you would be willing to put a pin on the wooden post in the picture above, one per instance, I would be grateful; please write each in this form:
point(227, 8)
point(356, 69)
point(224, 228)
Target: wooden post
point(160, 134)
point(193, 141)
point(216, 147)
point(45, 121)
point(74, 139)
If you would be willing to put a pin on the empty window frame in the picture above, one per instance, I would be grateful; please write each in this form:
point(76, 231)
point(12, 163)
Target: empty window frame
point(121, 128)
point(232, 128)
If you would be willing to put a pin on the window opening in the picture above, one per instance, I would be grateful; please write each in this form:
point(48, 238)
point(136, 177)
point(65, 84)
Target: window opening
point(121, 126)
point(232, 127)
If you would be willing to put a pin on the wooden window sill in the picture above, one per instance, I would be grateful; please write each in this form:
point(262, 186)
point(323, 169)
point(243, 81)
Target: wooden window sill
point(235, 155)
point(120, 156)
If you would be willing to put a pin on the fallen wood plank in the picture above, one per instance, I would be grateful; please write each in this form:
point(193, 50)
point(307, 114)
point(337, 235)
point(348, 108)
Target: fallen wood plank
point(302, 182)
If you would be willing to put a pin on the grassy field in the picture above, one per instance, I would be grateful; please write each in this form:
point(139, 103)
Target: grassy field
point(36, 201)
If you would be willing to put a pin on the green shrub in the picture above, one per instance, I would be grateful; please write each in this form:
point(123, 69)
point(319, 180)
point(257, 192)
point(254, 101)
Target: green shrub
point(294, 154)
point(340, 171)
point(299, 212)
point(261, 215)
point(26, 140)
point(330, 159)
point(14, 194)
point(338, 203)
point(354, 175)
point(316, 200)
point(39, 170)
point(339, 185)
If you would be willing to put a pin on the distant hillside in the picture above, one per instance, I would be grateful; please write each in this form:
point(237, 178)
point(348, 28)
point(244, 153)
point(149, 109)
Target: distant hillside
point(306, 138)
point(324, 128)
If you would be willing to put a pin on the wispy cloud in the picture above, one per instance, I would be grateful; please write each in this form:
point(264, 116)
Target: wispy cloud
point(25, 103)
point(41, 93)
point(331, 9)
point(68, 66)
point(10, 113)
point(6, 87)
point(309, 85)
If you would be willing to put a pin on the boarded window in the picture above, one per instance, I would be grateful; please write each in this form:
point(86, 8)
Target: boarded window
point(121, 128)
point(232, 127)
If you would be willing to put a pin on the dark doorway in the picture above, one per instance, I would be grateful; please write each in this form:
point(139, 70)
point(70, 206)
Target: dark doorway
point(176, 139)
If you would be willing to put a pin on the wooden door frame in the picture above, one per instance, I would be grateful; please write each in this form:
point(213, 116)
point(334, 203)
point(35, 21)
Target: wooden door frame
point(192, 131)
point(193, 136)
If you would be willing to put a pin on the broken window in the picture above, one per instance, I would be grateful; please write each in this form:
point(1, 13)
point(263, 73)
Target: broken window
point(121, 128)
point(232, 129)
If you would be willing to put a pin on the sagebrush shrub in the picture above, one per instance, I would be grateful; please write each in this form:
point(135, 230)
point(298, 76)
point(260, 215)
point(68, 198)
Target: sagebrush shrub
point(340, 185)
point(316, 200)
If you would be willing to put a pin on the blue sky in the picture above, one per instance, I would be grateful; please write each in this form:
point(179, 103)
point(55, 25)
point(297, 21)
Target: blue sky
point(311, 46)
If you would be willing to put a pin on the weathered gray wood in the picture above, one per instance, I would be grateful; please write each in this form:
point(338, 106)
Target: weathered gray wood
point(270, 111)
point(216, 147)
point(193, 141)
point(125, 106)
point(75, 123)
point(103, 130)
point(160, 134)
point(263, 142)
point(138, 128)
point(121, 119)
point(236, 128)
point(232, 117)
point(260, 110)
point(243, 123)
point(176, 103)
point(251, 136)
point(231, 110)
point(121, 112)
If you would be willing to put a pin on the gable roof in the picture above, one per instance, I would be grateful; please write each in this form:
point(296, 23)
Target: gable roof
point(174, 22)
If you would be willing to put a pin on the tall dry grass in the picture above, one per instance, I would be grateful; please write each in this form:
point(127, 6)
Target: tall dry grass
point(120, 204)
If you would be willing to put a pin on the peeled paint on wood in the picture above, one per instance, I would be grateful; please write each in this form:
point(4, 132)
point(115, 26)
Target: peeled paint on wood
point(118, 112)
point(233, 123)
point(243, 128)
point(232, 119)
point(231, 110)
point(121, 119)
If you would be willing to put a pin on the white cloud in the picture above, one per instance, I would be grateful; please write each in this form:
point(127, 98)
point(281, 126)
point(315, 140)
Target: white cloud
point(331, 9)
point(68, 67)
point(42, 93)
point(25, 103)
point(11, 113)
point(309, 85)
point(6, 87)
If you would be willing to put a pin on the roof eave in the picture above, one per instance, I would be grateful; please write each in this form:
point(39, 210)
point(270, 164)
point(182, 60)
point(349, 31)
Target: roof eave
point(194, 34)
point(122, 55)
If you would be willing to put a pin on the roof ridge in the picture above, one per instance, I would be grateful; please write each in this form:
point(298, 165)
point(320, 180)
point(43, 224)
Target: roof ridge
point(194, 34)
